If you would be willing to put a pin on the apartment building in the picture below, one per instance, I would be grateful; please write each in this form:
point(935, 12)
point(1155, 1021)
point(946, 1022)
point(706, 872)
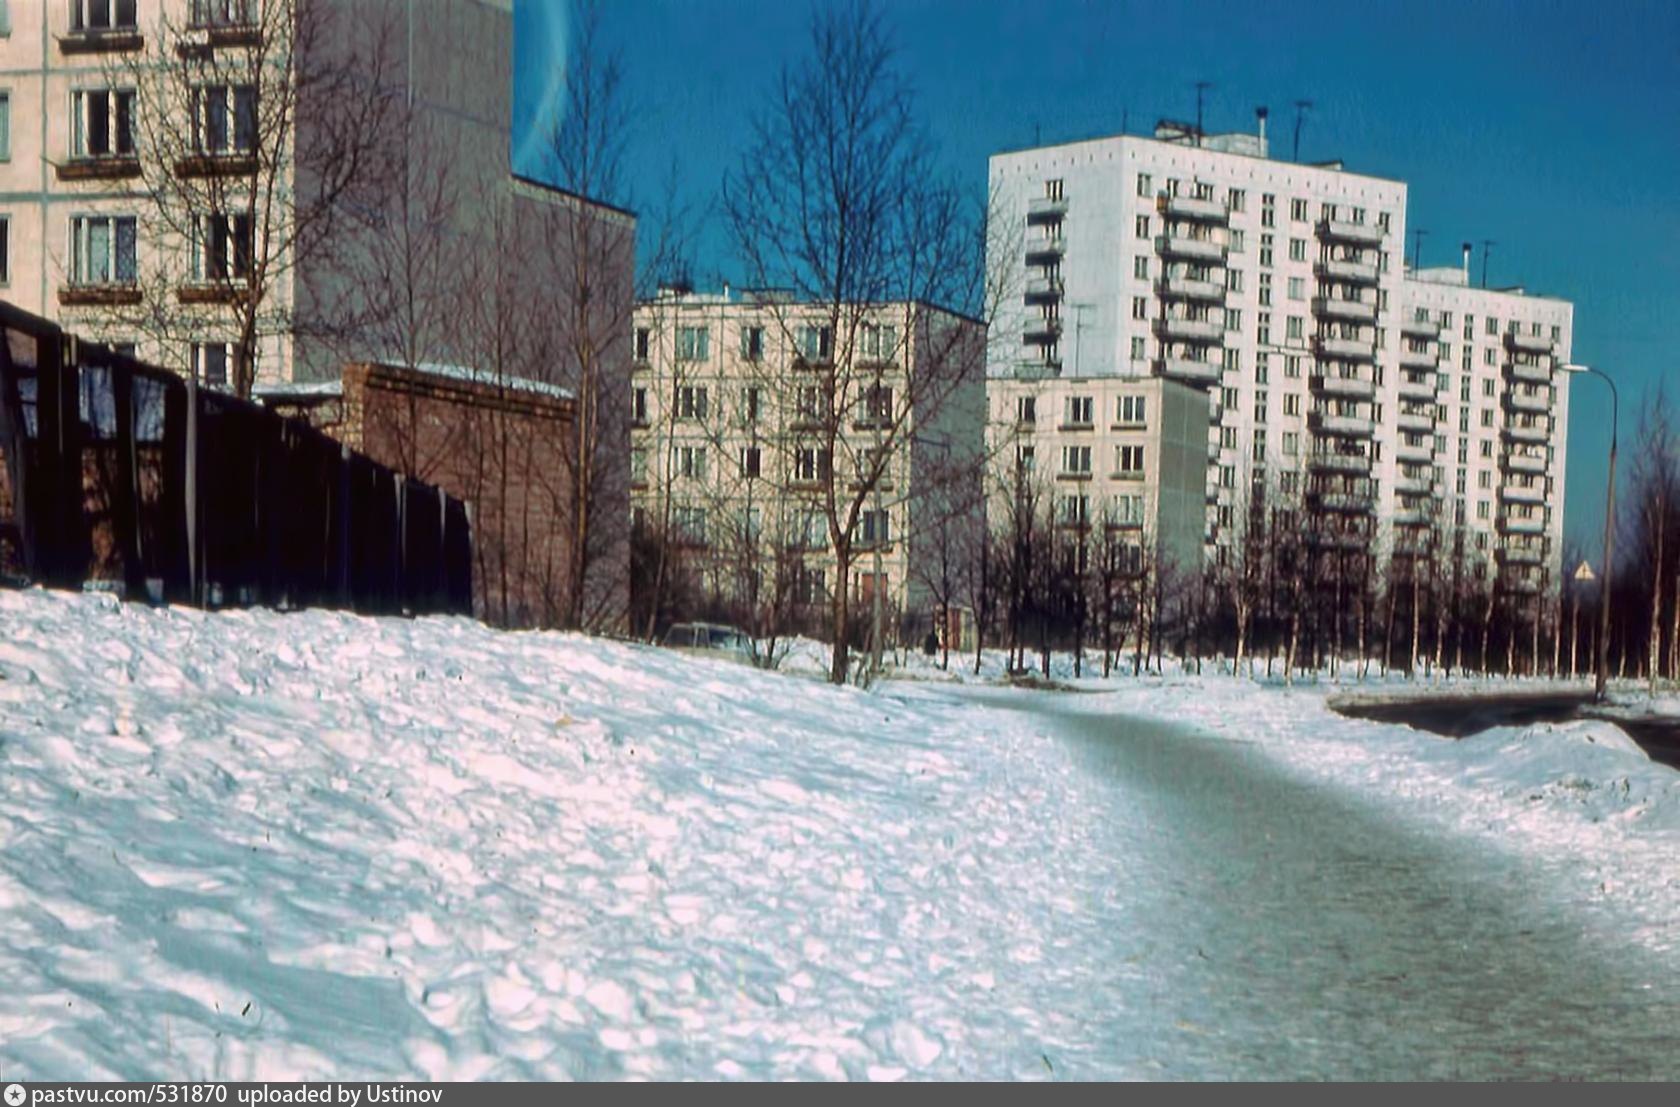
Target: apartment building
point(1116, 462)
point(749, 409)
point(108, 105)
point(1280, 288)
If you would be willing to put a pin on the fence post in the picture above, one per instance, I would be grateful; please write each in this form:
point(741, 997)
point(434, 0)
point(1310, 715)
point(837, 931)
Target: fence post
point(14, 440)
point(195, 565)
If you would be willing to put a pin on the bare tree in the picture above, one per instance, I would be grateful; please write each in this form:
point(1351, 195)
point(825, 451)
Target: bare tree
point(265, 127)
point(838, 200)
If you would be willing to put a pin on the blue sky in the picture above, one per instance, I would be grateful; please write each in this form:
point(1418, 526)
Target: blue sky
point(1551, 128)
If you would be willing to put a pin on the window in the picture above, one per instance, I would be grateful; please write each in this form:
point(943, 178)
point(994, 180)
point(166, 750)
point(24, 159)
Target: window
point(1141, 226)
point(1143, 186)
point(212, 360)
point(1228, 397)
point(1140, 307)
point(644, 343)
point(879, 342)
point(1297, 288)
point(1234, 280)
point(1137, 348)
point(1260, 407)
point(1075, 510)
point(1236, 240)
point(1295, 329)
point(1291, 366)
point(691, 402)
point(1233, 319)
point(1492, 327)
point(5, 125)
point(1258, 451)
point(1130, 409)
point(1298, 209)
point(752, 403)
point(693, 343)
point(1297, 249)
point(1268, 209)
point(1025, 456)
point(878, 405)
point(224, 119)
point(1140, 267)
point(691, 462)
point(1487, 388)
point(1026, 409)
point(221, 247)
point(1292, 403)
point(639, 407)
point(689, 523)
point(752, 462)
point(1263, 329)
point(223, 13)
point(752, 343)
point(1076, 460)
point(1262, 367)
point(811, 403)
point(1128, 461)
point(875, 527)
point(1291, 443)
point(101, 123)
point(1266, 250)
point(811, 464)
point(1053, 189)
point(102, 15)
point(1227, 438)
point(816, 343)
point(5, 249)
point(638, 465)
point(1238, 196)
point(1079, 411)
point(102, 249)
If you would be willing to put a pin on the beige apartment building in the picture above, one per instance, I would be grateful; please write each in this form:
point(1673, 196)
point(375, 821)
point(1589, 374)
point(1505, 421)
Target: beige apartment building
point(749, 410)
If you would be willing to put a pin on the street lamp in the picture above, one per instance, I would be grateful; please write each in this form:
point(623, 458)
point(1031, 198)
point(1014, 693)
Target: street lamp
point(1609, 536)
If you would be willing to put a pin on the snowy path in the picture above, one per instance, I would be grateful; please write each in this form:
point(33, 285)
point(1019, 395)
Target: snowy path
point(1302, 932)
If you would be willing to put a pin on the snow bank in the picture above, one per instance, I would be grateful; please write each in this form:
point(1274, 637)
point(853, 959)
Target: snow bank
point(312, 845)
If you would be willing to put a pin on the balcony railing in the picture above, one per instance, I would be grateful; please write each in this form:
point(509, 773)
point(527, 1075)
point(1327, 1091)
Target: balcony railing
point(1528, 343)
point(1517, 432)
point(1046, 208)
point(1190, 330)
point(1418, 359)
point(1193, 249)
point(1519, 401)
point(1051, 247)
point(1522, 493)
point(1189, 371)
point(1346, 271)
point(103, 167)
point(1345, 426)
point(1513, 524)
point(100, 295)
point(101, 40)
point(1416, 390)
point(1414, 486)
point(230, 164)
point(1416, 421)
point(1350, 387)
point(1521, 555)
point(1332, 308)
point(1352, 503)
point(1420, 328)
point(1411, 517)
point(1420, 454)
point(1362, 234)
point(1041, 289)
point(1042, 331)
point(1345, 349)
point(1189, 288)
point(1329, 461)
point(1192, 207)
point(1524, 463)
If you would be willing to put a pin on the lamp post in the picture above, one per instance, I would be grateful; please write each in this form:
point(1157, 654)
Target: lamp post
point(1603, 675)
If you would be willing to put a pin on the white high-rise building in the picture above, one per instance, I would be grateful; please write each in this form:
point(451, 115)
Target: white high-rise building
point(1333, 374)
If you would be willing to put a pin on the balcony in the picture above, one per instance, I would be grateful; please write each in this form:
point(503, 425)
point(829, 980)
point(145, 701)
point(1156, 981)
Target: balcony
point(1528, 343)
point(1416, 390)
point(1191, 207)
point(1347, 503)
point(1516, 432)
point(1345, 349)
point(1531, 374)
point(1042, 249)
point(103, 167)
point(1524, 463)
point(1190, 372)
point(1415, 421)
point(1521, 555)
point(1046, 209)
point(101, 40)
point(1328, 462)
point(1421, 454)
point(1360, 234)
point(1043, 289)
point(1414, 486)
point(1344, 426)
point(1338, 541)
point(216, 165)
point(1418, 359)
point(1522, 493)
point(1512, 524)
point(1352, 388)
point(1037, 369)
point(1518, 401)
point(1346, 271)
point(1189, 288)
point(1042, 332)
point(1520, 586)
point(211, 292)
point(1190, 249)
point(1190, 330)
point(1411, 517)
point(99, 295)
point(1421, 328)
point(1330, 307)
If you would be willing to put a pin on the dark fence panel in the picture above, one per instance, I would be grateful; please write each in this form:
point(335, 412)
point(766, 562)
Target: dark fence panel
point(116, 472)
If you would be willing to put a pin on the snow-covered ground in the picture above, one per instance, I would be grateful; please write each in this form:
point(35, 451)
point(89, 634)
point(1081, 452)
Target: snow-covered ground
point(259, 845)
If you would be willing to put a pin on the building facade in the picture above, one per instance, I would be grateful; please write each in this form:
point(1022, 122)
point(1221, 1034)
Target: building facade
point(763, 426)
point(1335, 379)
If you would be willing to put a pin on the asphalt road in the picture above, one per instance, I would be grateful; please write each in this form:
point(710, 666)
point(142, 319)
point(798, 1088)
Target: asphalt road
point(1300, 932)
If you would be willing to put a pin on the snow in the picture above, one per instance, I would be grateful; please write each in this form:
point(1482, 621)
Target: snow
point(254, 845)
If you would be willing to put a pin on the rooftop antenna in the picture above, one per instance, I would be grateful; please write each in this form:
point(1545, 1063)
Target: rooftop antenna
point(1201, 87)
point(1301, 107)
point(1417, 247)
point(1487, 248)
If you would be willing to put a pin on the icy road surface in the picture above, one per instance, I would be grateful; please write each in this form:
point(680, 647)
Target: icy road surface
point(1299, 932)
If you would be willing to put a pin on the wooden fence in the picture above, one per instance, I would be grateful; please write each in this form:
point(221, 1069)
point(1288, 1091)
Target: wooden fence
point(117, 472)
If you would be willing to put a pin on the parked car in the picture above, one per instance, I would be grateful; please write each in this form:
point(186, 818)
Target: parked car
point(711, 640)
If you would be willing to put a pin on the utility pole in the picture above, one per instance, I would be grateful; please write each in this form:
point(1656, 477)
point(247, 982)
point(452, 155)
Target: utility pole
point(1301, 107)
